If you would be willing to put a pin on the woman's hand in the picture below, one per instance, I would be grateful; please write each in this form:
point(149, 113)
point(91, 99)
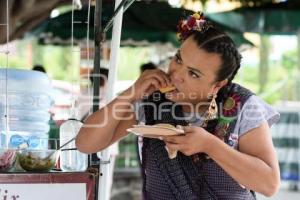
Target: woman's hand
point(195, 140)
point(148, 82)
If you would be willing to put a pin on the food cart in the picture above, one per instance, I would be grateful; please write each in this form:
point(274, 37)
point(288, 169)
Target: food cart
point(48, 186)
point(69, 185)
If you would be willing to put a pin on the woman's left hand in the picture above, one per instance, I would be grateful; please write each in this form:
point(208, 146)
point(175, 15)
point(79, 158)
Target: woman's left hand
point(195, 140)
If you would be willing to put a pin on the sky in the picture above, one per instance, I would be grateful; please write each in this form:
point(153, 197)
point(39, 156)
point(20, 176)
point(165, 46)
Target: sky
point(282, 44)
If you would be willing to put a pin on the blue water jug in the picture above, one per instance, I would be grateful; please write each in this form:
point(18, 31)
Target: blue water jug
point(25, 100)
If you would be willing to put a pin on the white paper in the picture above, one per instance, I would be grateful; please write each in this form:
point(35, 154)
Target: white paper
point(43, 191)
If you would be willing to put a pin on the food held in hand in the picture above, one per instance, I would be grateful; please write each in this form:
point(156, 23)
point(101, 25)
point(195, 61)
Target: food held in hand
point(171, 153)
point(178, 129)
point(165, 125)
point(167, 89)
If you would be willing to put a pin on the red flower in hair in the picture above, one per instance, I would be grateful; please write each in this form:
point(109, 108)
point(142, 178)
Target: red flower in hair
point(191, 21)
point(195, 22)
point(185, 27)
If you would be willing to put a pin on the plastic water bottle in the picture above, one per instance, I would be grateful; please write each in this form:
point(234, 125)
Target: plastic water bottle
point(25, 100)
point(70, 159)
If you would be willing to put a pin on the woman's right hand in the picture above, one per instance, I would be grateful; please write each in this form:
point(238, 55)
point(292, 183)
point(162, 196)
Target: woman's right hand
point(148, 82)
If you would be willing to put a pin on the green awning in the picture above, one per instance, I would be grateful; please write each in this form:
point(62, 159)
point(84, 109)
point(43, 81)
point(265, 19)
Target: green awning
point(277, 19)
point(143, 23)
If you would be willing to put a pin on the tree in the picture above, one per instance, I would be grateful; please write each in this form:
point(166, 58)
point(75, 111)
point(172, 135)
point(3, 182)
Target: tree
point(263, 62)
point(23, 15)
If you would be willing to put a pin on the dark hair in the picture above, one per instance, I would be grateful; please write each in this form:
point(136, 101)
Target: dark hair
point(147, 66)
point(103, 76)
point(39, 68)
point(213, 40)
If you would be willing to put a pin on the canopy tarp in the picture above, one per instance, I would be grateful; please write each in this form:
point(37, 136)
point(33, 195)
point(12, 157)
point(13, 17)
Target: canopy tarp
point(276, 19)
point(143, 23)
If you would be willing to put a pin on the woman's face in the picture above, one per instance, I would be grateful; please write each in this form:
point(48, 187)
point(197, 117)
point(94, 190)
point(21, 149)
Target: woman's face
point(193, 72)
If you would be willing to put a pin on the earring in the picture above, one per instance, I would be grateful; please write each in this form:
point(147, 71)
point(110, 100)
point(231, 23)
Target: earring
point(212, 109)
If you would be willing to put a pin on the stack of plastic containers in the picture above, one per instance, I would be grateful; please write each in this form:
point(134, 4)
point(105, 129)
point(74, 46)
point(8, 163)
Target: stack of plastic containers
point(25, 98)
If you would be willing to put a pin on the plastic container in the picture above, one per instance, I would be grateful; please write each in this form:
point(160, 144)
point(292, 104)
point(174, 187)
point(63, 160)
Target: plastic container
point(37, 160)
point(71, 160)
point(25, 101)
point(7, 159)
point(17, 139)
point(24, 80)
point(23, 114)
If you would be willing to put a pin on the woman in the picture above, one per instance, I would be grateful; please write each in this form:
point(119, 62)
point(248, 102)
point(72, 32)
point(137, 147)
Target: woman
point(226, 151)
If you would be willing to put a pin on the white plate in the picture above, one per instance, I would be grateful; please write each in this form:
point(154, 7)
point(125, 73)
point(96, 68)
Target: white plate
point(154, 131)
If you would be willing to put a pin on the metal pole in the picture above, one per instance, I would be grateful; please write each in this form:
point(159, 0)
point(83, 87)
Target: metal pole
point(125, 4)
point(93, 159)
point(104, 168)
point(97, 53)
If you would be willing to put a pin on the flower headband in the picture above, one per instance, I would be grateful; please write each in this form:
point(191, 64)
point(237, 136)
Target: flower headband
point(195, 22)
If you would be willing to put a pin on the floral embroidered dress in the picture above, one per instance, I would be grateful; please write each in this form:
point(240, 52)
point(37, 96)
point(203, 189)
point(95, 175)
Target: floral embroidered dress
point(195, 177)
